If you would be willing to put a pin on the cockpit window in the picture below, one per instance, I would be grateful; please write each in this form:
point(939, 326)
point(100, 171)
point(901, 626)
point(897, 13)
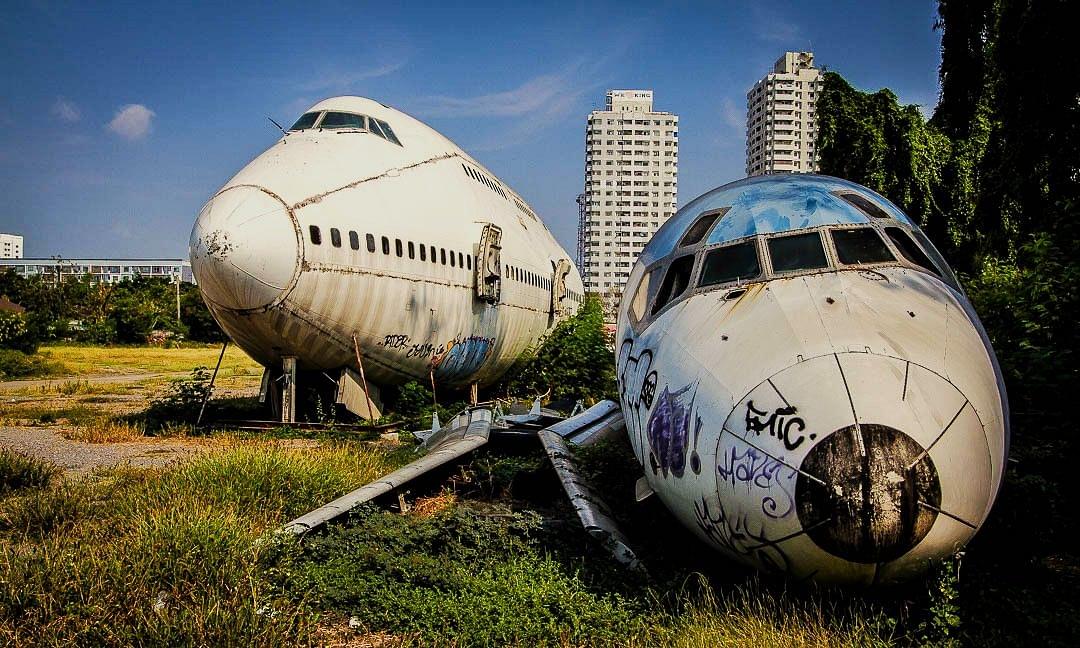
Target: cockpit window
point(343, 120)
point(797, 252)
point(863, 245)
point(641, 296)
point(676, 280)
point(862, 203)
point(910, 249)
point(389, 132)
point(373, 126)
point(307, 120)
point(730, 263)
point(701, 227)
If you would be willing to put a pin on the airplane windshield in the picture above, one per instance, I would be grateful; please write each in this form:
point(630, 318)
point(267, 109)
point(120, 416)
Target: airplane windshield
point(306, 121)
point(346, 122)
point(766, 205)
point(334, 120)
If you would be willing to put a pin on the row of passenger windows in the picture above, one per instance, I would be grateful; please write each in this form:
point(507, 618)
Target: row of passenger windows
point(803, 252)
point(424, 252)
point(484, 180)
point(400, 248)
point(334, 120)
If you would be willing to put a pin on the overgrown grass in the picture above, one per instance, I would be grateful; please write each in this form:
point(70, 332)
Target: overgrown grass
point(106, 431)
point(167, 557)
point(15, 365)
point(90, 359)
point(48, 413)
point(19, 471)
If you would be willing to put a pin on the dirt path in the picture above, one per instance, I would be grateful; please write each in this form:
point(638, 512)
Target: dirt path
point(76, 457)
point(14, 385)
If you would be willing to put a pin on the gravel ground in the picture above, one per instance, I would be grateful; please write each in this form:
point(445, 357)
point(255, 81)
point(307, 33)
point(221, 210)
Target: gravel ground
point(77, 457)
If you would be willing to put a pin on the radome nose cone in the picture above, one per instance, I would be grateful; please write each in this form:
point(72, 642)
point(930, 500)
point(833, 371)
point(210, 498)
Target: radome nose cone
point(244, 248)
point(881, 495)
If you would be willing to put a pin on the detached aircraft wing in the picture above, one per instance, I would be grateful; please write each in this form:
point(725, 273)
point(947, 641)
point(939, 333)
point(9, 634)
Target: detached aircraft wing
point(474, 428)
point(467, 432)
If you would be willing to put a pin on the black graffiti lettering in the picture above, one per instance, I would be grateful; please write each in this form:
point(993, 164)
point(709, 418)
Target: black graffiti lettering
point(422, 350)
point(396, 341)
point(648, 389)
point(779, 424)
point(734, 533)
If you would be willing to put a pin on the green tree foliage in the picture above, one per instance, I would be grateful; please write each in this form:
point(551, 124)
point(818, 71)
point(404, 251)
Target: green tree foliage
point(574, 361)
point(126, 312)
point(873, 140)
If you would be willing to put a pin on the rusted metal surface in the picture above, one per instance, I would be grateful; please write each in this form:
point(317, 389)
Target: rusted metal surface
point(876, 495)
point(393, 172)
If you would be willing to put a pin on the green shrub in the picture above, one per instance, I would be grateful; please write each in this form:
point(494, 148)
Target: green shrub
point(16, 333)
point(458, 577)
point(18, 471)
point(575, 361)
point(16, 364)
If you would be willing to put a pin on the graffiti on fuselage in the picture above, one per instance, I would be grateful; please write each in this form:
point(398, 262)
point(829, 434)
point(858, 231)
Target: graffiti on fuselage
point(455, 358)
point(666, 425)
point(747, 473)
point(463, 356)
point(736, 532)
point(637, 388)
point(669, 429)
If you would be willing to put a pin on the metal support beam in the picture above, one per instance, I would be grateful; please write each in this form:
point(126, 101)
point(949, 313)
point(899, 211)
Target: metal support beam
point(210, 388)
point(288, 392)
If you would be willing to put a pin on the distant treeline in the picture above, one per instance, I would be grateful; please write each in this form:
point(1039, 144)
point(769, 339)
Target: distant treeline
point(131, 311)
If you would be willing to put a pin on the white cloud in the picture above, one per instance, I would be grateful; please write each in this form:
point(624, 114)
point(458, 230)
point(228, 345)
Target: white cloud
point(337, 80)
point(531, 96)
point(532, 106)
point(66, 111)
point(770, 27)
point(732, 116)
point(132, 121)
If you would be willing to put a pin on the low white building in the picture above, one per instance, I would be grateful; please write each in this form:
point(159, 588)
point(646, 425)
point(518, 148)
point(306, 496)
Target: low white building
point(11, 246)
point(101, 270)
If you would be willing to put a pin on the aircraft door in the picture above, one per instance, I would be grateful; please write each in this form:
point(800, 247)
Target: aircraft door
point(558, 288)
point(489, 264)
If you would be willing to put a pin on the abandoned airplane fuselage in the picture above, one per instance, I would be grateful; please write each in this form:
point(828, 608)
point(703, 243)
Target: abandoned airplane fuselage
point(806, 385)
point(362, 222)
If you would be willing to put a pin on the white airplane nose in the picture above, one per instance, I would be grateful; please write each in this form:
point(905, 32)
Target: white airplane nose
point(885, 456)
point(245, 248)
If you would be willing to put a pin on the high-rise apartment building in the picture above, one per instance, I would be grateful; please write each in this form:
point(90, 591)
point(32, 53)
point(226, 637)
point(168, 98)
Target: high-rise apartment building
point(781, 124)
point(11, 246)
point(631, 188)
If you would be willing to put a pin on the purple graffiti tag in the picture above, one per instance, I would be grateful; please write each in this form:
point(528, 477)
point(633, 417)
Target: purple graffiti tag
point(755, 469)
point(669, 428)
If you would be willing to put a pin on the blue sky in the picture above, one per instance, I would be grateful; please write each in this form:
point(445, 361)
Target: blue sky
point(117, 122)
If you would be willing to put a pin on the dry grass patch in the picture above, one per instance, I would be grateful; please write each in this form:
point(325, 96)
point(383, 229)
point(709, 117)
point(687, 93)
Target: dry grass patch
point(82, 360)
point(750, 616)
point(105, 431)
point(425, 507)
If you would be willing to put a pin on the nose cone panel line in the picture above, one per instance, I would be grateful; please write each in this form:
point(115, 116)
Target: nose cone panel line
point(246, 248)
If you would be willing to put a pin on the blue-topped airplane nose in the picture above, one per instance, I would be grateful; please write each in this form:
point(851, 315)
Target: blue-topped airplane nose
point(245, 248)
